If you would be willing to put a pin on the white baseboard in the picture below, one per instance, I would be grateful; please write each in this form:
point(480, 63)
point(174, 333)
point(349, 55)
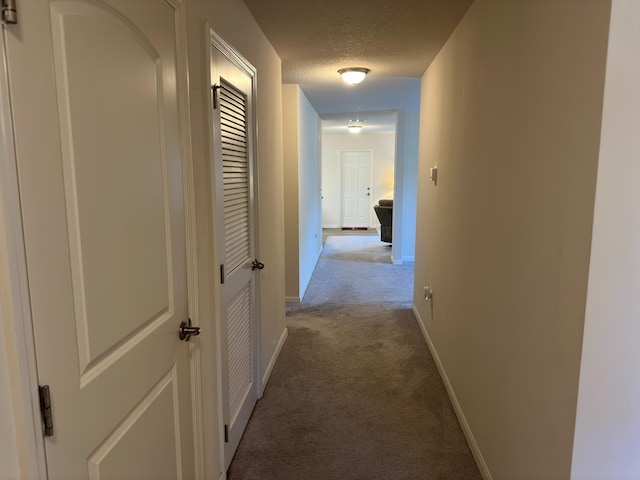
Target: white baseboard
point(292, 299)
point(473, 445)
point(408, 260)
point(274, 357)
point(331, 225)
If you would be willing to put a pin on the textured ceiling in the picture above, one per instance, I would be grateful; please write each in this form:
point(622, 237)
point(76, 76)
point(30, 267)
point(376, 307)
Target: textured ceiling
point(396, 39)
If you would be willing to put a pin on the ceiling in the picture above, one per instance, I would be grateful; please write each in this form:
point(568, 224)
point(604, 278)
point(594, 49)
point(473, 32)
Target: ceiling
point(397, 40)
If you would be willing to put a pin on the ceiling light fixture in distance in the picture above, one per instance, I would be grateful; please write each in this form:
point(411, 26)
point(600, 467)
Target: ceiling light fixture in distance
point(353, 75)
point(354, 128)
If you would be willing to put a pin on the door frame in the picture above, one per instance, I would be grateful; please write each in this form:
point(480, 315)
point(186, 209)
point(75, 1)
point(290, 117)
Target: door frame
point(18, 328)
point(216, 42)
point(371, 177)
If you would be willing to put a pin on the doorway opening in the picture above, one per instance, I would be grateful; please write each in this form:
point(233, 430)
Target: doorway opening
point(357, 171)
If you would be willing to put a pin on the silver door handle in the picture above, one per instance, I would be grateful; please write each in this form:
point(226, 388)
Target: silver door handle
point(186, 330)
point(257, 265)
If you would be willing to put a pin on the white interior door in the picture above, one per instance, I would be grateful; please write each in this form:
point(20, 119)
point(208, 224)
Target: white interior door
point(234, 172)
point(98, 144)
point(356, 189)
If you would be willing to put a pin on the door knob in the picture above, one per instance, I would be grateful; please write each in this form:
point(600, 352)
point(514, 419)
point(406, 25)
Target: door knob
point(186, 330)
point(257, 265)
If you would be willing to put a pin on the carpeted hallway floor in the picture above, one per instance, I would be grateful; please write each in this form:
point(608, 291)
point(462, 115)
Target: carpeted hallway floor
point(355, 394)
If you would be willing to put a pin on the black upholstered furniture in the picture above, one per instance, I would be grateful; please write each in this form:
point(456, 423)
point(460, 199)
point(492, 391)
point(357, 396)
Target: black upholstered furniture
point(384, 211)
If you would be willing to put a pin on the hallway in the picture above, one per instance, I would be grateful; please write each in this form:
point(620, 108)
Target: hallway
point(355, 393)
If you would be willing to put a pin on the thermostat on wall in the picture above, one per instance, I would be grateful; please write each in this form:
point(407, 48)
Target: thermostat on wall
point(433, 175)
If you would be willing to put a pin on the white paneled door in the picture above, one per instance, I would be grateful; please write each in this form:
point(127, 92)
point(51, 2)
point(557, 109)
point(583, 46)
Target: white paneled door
point(94, 90)
point(233, 100)
point(356, 189)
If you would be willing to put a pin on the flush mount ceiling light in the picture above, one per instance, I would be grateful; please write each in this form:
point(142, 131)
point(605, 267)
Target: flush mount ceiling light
point(354, 128)
point(353, 75)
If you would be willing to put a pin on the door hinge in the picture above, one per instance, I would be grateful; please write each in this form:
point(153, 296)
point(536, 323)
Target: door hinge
point(222, 273)
point(45, 409)
point(9, 11)
point(214, 91)
point(226, 434)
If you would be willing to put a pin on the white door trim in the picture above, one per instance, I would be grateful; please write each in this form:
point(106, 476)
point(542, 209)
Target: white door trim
point(193, 297)
point(371, 177)
point(18, 326)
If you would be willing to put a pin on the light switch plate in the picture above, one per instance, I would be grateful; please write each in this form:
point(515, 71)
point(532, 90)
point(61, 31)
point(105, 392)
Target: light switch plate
point(433, 175)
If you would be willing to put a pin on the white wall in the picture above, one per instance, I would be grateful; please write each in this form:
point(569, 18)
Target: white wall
point(382, 146)
point(511, 115)
point(406, 185)
point(607, 434)
point(291, 208)
point(303, 229)
point(309, 197)
point(410, 184)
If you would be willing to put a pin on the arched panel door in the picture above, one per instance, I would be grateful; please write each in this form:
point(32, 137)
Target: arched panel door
point(98, 144)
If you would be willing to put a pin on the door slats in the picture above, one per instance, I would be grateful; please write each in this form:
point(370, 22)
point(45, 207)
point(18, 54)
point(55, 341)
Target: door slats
point(240, 357)
point(235, 173)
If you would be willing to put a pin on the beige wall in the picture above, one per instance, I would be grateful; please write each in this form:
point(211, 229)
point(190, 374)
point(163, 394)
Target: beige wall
point(232, 21)
point(607, 431)
point(510, 114)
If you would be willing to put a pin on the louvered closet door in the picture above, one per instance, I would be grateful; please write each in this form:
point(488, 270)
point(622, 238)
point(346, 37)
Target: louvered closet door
point(234, 199)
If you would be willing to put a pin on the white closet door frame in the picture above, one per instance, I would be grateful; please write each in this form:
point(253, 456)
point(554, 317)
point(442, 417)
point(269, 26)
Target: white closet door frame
point(228, 51)
point(216, 42)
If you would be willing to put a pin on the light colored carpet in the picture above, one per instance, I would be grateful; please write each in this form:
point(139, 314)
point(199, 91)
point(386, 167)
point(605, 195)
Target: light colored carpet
point(358, 270)
point(355, 394)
